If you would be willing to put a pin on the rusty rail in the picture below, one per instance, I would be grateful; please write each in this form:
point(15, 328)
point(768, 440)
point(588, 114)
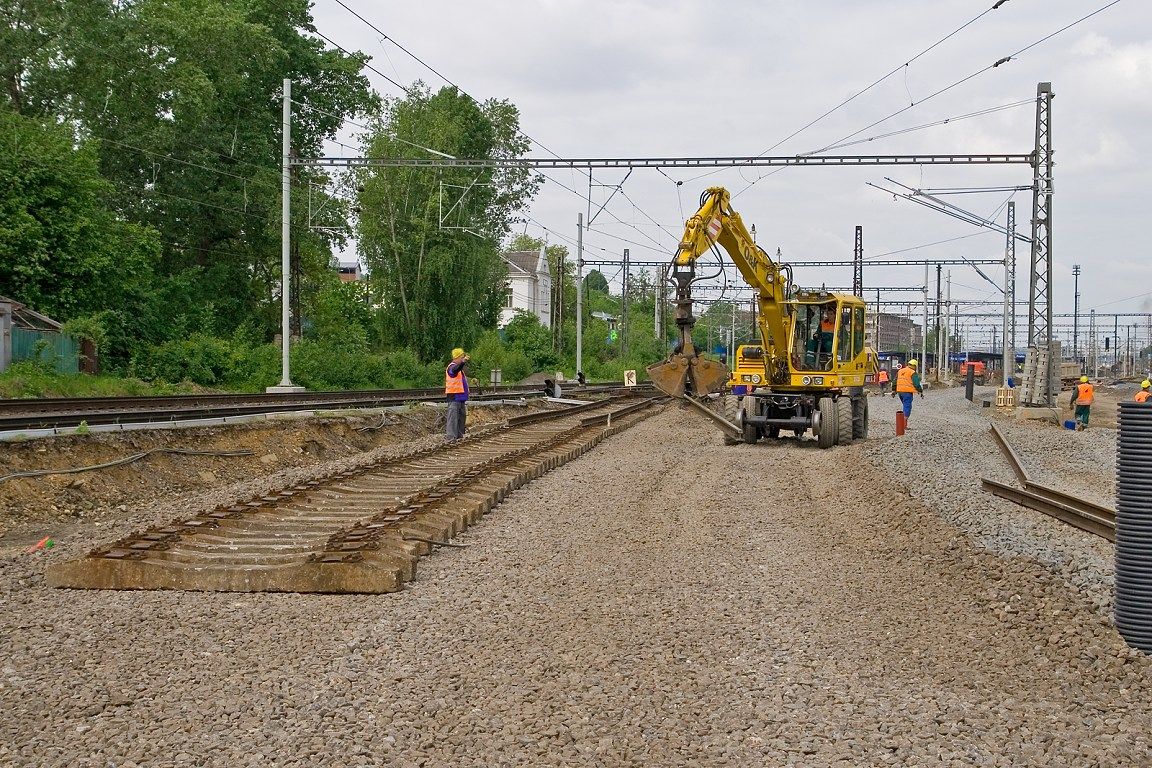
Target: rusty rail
point(1081, 513)
point(360, 530)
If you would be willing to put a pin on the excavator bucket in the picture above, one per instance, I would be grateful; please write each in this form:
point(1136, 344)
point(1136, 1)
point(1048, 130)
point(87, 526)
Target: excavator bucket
point(670, 376)
point(680, 374)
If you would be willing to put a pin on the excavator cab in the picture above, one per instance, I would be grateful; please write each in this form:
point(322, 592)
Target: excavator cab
point(814, 336)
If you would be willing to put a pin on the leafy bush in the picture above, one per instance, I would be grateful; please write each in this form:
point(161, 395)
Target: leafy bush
point(205, 360)
point(403, 370)
point(527, 335)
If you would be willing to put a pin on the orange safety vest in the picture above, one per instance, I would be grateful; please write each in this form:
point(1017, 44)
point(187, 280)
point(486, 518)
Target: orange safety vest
point(827, 326)
point(454, 385)
point(1084, 394)
point(882, 377)
point(904, 379)
point(1142, 396)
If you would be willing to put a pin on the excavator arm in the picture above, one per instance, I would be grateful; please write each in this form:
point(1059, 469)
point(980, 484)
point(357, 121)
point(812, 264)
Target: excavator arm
point(717, 224)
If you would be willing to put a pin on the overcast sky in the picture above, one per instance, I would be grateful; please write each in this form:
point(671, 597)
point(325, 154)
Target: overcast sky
point(645, 79)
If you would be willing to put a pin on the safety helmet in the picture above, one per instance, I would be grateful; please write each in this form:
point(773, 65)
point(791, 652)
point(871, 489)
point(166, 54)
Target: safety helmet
point(457, 352)
point(913, 363)
point(1145, 384)
point(1083, 379)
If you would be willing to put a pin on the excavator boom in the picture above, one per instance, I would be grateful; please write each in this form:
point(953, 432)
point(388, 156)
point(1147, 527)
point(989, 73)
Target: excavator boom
point(715, 223)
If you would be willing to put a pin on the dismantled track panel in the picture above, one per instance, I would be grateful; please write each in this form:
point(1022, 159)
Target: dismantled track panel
point(358, 531)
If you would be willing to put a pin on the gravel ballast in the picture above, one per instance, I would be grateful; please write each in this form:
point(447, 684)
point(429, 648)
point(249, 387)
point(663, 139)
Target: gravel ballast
point(664, 600)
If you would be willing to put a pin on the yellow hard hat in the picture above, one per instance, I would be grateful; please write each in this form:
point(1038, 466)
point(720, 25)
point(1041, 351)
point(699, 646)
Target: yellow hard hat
point(457, 352)
point(913, 363)
point(1083, 379)
point(1145, 384)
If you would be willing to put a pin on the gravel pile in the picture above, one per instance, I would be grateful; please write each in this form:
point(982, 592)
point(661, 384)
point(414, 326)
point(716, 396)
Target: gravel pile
point(947, 449)
point(663, 601)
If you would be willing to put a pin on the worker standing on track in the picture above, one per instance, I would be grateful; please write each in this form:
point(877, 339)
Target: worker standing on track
point(882, 379)
point(907, 384)
point(1144, 393)
point(1082, 398)
point(456, 390)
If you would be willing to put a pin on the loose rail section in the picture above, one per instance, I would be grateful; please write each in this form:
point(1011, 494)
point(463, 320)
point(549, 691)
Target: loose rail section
point(358, 531)
point(1081, 513)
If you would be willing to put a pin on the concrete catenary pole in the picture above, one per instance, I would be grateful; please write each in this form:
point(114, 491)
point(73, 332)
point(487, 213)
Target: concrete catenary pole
point(579, 293)
point(624, 324)
point(285, 384)
point(936, 346)
point(924, 329)
point(1076, 312)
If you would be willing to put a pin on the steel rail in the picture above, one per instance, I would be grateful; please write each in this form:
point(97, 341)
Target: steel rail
point(357, 531)
point(1010, 453)
point(71, 412)
point(1081, 513)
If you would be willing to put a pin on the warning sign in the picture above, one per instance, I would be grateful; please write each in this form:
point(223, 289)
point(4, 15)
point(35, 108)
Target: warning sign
point(629, 378)
point(714, 227)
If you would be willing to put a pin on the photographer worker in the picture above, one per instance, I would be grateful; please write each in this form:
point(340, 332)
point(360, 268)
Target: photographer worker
point(456, 390)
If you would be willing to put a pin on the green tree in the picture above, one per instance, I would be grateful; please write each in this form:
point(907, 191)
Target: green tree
point(527, 334)
point(182, 98)
point(595, 281)
point(62, 250)
point(430, 238)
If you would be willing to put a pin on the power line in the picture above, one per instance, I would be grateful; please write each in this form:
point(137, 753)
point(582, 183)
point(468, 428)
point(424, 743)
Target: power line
point(840, 142)
point(933, 124)
point(436, 72)
point(363, 63)
point(965, 79)
point(167, 156)
point(876, 82)
point(427, 66)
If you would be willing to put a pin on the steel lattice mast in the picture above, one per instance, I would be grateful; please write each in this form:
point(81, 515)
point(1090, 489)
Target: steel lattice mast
point(1040, 287)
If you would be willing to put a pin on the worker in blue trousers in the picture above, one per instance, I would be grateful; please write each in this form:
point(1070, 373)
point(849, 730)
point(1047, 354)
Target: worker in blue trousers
point(906, 385)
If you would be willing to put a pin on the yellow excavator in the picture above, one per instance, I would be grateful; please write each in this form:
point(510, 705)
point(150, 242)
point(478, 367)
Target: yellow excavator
point(814, 360)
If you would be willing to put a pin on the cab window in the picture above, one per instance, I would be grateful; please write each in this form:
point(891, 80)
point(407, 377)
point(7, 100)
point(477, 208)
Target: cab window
point(844, 341)
point(857, 331)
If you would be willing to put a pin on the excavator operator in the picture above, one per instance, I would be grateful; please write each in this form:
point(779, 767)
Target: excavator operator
point(818, 351)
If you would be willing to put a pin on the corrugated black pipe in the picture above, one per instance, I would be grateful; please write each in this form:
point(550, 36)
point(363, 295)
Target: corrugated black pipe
point(1133, 610)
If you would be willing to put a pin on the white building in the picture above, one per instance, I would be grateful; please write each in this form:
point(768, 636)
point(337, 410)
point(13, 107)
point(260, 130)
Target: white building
point(529, 286)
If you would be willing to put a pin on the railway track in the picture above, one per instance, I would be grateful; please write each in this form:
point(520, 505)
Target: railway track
point(358, 531)
point(50, 413)
point(1083, 514)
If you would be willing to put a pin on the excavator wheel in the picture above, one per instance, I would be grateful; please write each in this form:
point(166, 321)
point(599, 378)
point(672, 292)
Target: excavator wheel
point(844, 421)
point(826, 434)
point(752, 432)
point(860, 417)
point(730, 409)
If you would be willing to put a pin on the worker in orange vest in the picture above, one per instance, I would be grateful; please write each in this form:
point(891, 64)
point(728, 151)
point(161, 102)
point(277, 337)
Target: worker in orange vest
point(882, 379)
point(1082, 398)
point(456, 390)
point(1143, 394)
point(908, 384)
point(827, 327)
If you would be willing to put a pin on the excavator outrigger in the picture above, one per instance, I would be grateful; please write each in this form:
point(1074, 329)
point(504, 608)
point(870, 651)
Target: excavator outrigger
point(815, 361)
